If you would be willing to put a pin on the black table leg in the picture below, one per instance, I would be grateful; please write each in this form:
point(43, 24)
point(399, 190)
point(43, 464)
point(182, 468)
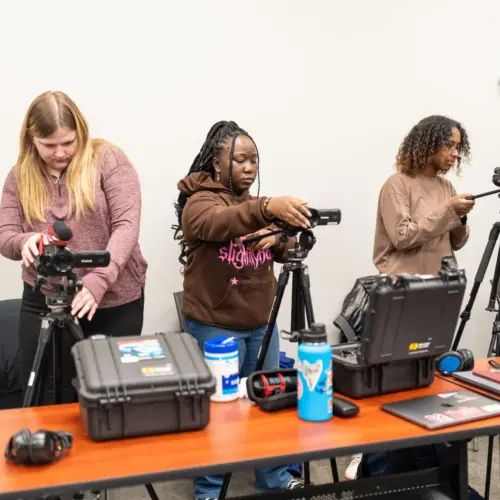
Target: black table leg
point(459, 470)
point(225, 486)
point(335, 471)
point(489, 464)
point(152, 492)
point(307, 474)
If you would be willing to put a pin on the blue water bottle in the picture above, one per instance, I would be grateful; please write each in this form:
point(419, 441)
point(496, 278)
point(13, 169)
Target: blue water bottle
point(314, 383)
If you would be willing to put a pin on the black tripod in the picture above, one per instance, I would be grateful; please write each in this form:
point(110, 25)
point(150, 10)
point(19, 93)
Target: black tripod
point(302, 309)
point(493, 306)
point(53, 325)
point(494, 348)
point(53, 328)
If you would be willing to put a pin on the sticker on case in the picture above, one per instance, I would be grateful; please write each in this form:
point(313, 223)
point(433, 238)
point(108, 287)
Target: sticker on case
point(133, 351)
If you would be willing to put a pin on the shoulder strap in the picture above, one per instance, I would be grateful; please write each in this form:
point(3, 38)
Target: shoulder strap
point(346, 328)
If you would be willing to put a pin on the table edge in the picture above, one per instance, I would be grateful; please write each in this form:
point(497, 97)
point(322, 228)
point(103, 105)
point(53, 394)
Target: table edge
point(222, 468)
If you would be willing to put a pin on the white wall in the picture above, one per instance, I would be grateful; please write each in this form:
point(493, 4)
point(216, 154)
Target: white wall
point(327, 88)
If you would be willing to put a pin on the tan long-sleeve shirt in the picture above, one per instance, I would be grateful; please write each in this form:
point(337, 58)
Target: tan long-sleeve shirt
point(416, 225)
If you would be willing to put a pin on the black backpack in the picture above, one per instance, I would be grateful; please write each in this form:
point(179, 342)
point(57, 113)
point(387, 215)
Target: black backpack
point(350, 321)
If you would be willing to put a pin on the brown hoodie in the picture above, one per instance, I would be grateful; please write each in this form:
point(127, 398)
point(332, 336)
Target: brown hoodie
point(225, 285)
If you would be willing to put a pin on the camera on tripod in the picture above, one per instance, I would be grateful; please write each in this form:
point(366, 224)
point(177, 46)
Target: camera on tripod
point(306, 240)
point(302, 308)
point(323, 217)
point(56, 260)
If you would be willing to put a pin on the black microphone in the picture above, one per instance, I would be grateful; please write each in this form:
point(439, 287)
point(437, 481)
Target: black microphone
point(60, 232)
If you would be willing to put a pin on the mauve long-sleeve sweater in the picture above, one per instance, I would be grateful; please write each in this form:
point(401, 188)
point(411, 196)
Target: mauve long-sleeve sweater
point(113, 226)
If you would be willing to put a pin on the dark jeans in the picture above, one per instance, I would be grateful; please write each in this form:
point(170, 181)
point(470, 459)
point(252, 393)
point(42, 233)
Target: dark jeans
point(120, 321)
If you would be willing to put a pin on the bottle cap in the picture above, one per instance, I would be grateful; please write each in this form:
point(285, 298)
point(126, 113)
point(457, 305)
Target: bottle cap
point(315, 334)
point(221, 345)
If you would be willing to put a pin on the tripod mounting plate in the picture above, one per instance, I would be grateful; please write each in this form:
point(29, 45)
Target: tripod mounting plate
point(296, 255)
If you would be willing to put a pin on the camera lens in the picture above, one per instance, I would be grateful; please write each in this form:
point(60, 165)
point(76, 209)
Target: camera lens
point(63, 261)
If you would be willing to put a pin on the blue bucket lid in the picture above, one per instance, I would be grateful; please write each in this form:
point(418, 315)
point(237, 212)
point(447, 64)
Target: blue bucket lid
point(221, 345)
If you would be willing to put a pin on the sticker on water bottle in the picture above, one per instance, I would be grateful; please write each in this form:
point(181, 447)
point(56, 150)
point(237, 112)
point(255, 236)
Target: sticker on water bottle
point(317, 379)
point(312, 373)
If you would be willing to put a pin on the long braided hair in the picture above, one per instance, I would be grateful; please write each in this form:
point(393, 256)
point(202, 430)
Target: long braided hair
point(216, 139)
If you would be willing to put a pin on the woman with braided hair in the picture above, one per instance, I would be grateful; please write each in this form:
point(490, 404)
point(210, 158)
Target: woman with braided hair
point(229, 288)
point(420, 217)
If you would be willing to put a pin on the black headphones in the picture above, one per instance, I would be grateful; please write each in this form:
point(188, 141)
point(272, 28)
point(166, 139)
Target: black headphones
point(455, 361)
point(41, 447)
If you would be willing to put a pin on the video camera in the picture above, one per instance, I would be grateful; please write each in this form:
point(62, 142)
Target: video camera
point(323, 217)
point(56, 260)
point(318, 217)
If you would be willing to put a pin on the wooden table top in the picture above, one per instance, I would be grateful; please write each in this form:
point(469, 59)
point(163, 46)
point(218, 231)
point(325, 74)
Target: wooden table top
point(239, 436)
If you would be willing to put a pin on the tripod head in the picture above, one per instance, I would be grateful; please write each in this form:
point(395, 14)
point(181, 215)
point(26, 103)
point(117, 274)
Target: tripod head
point(60, 300)
point(303, 246)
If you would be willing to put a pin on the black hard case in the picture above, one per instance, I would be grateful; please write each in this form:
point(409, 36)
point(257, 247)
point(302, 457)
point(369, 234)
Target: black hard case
point(146, 396)
point(409, 321)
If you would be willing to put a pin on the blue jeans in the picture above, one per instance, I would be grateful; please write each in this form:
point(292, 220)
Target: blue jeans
point(249, 342)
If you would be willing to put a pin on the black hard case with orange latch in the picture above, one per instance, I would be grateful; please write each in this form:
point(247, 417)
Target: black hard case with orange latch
point(139, 386)
point(409, 321)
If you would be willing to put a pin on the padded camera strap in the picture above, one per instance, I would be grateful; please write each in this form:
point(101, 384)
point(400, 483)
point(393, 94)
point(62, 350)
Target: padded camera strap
point(346, 328)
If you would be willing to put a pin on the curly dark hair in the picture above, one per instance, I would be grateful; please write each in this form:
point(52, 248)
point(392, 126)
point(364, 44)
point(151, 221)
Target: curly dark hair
point(218, 136)
point(425, 139)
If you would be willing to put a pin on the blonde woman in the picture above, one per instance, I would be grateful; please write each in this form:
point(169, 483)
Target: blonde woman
point(62, 174)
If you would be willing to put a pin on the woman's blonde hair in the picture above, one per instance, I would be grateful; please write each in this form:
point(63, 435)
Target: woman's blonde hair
point(46, 114)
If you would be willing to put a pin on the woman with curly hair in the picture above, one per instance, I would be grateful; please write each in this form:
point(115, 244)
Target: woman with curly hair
point(420, 220)
point(420, 217)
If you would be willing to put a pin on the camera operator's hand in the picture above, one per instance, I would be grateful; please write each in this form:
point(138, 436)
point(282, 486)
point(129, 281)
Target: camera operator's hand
point(264, 243)
point(461, 205)
point(30, 248)
point(290, 210)
point(83, 304)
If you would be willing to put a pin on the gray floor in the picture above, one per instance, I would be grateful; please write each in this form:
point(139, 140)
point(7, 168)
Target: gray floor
point(242, 483)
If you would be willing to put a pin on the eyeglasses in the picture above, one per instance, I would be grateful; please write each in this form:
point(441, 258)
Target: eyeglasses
point(449, 145)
